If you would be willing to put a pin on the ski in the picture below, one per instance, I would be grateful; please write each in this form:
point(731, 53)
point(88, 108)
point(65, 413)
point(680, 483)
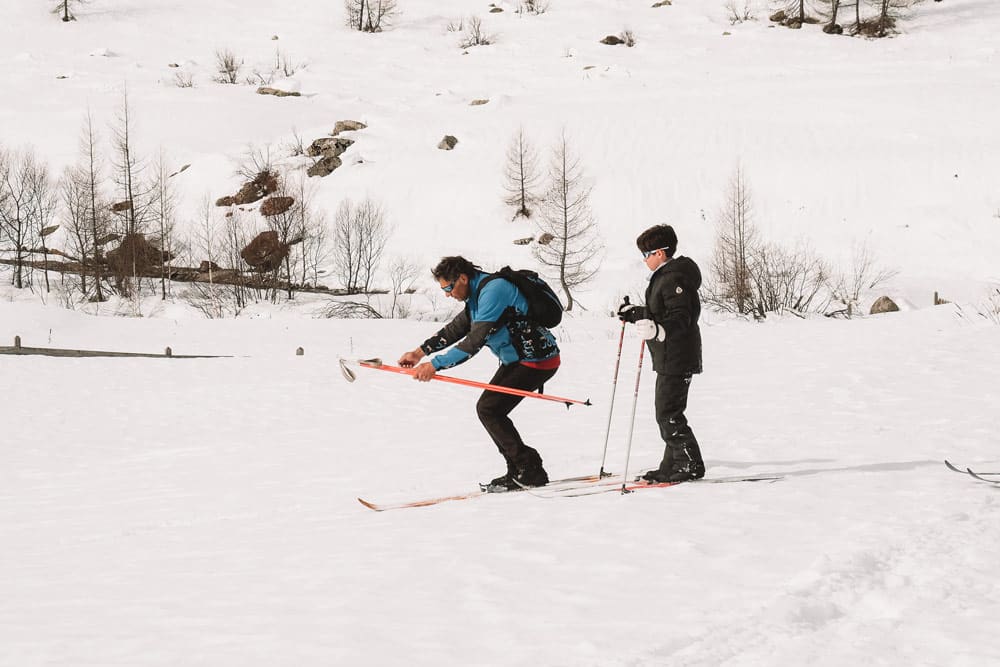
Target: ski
point(975, 475)
point(426, 502)
point(616, 484)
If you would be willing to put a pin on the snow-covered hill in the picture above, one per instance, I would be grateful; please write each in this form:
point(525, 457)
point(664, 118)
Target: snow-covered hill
point(203, 512)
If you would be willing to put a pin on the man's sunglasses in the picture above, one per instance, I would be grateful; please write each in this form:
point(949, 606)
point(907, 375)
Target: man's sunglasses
point(448, 288)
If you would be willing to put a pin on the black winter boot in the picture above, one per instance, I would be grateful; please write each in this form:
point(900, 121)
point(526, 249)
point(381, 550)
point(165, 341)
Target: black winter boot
point(529, 470)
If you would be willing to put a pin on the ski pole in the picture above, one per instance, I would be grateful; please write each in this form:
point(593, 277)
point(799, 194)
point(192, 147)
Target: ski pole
point(631, 426)
point(611, 406)
point(377, 364)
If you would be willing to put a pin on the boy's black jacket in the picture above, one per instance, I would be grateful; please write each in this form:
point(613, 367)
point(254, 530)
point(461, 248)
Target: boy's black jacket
point(672, 302)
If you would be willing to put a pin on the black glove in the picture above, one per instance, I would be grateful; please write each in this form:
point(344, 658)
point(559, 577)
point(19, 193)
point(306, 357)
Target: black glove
point(629, 313)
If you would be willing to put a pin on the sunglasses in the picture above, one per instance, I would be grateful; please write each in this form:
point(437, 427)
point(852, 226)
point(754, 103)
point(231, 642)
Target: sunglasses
point(448, 288)
point(647, 253)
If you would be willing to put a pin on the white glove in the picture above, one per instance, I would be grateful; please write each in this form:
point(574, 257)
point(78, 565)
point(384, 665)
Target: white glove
point(649, 329)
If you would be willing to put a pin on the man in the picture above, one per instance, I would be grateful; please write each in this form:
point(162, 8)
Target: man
point(494, 316)
point(669, 323)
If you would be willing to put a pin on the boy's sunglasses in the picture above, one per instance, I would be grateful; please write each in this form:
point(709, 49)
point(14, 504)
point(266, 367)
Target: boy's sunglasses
point(647, 253)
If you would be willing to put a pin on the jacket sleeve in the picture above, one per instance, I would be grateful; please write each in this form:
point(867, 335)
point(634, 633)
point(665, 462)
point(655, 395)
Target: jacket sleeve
point(493, 301)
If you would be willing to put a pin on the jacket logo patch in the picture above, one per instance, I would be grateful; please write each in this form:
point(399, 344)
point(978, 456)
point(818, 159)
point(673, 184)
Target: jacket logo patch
point(680, 290)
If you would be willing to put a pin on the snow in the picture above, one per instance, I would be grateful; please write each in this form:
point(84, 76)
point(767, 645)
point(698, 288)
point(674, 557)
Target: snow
point(203, 511)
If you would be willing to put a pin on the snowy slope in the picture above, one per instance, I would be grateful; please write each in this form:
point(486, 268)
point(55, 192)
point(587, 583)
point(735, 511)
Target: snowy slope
point(203, 512)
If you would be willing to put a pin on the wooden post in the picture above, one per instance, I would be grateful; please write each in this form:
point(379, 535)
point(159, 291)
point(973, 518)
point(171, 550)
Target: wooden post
point(17, 342)
point(299, 352)
point(168, 352)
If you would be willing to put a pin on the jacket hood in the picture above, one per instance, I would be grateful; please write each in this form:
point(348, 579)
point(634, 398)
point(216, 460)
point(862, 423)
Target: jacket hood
point(687, 268)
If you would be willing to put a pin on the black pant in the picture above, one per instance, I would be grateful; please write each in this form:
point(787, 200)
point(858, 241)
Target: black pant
point(671, 402)
point(493, 408)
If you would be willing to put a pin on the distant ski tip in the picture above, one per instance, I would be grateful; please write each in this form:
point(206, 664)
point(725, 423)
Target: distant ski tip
point(369, 505)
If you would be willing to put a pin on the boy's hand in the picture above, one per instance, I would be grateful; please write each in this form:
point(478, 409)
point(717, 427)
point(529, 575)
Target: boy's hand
point(628, 313)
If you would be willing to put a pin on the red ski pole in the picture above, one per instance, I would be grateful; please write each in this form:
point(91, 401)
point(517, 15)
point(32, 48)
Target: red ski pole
point(377, 364)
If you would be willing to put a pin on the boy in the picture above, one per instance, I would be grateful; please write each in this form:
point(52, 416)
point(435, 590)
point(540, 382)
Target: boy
point(669, 323)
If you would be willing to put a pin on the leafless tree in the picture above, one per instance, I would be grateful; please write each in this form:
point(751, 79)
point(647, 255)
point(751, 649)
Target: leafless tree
point(19, 180)
point(370, 15)
point(314, 250)
point(62, 8)
point(360, 234)
point(163, 216)
point(135, 194)
point(782, 279)
point(522, 180)
point(736, 239)
point(46, 198)
point(532, 7)
point(90, 174)
point(402, 273)
point(865, 274)
point(574, 250)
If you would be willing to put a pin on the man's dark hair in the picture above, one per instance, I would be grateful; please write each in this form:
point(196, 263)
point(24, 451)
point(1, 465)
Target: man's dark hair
point(656, 237)
point(450, 268)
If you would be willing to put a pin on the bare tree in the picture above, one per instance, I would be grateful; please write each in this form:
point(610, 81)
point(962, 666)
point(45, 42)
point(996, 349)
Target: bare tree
point(45, 202)
point(163, 217)
point(475, 35)
point(783, 279)
point(736, 239)
point(89, 172)
point(360, 234)
point(402, 273)
point(573, 249)
point(522, 180)
point(227, 66)
point(314, 251)
point(63, 8)
point(370, 15)
point(19, 177)
point(133, 208)
point(865, 274)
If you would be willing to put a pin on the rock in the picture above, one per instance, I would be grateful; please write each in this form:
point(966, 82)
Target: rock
point(228, 200)
point(546, 238)
point(265, 252)
point(476, 103)
point(347, 126)
point(496, 10)
point(778, 16)
point(328, 146)
point(118, 207)
point(324, 166)
point(276, 205)
point(262, 185)
point(525, 241)
point(663, 3)
point(207, 266)
point(135, 251)
point(612, 40)
point(883, 305)
point(267, 90)
point(448, 143)
point(833, 29)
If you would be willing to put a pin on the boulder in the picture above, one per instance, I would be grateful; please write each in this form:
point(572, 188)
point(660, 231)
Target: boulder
point(476, 103)
point(324, 166)
point(262, 185)
point(612, 40)
point(276, 205)
point(135, 252)
point(228, 200)
point(328, 146)
point(207, 266)
point(883, 305)
point(448, 143)
point(265, 252)
point(118, 207)
point(546, 238)
point(347, 126)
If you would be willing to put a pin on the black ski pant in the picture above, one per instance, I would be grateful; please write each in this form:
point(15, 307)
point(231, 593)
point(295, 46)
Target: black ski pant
point(493, 408)
point(671, 402)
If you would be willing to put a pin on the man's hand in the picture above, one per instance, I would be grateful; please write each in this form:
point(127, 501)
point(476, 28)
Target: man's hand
point(628, 313)
point(411, 358)
point(649, 329)
point(424, 372)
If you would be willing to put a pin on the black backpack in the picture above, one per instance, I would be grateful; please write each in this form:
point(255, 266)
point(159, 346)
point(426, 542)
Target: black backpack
point(544, 307)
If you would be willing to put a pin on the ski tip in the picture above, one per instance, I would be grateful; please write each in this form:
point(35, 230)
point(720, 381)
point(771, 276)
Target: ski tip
point(347, 372)
point(368, 505)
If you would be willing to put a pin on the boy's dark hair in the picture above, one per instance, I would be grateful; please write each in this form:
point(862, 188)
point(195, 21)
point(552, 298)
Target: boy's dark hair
point(450, 268)
point(656, 237)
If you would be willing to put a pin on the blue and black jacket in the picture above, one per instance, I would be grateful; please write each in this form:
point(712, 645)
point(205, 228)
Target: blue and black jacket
point(494, 316)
